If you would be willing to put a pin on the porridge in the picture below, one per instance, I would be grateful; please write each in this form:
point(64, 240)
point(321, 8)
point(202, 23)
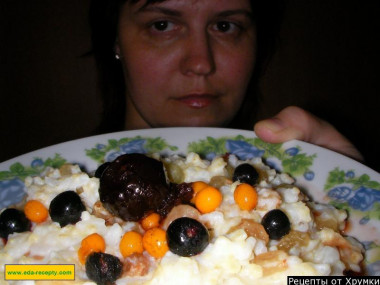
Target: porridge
point(158, 220)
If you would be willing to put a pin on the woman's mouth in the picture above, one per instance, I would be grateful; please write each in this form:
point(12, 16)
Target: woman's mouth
point(197, 101)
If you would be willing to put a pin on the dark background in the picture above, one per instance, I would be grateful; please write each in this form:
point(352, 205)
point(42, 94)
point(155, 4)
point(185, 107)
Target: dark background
point(327, 63)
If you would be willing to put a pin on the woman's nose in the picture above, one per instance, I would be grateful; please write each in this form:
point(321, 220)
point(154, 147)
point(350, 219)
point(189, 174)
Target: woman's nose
point(198, 56)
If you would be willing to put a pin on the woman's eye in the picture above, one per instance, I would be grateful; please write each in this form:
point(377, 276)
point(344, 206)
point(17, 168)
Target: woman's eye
point(226, 27)
point(163, 26)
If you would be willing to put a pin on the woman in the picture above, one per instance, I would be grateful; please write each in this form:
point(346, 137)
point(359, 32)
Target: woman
point(194, 63)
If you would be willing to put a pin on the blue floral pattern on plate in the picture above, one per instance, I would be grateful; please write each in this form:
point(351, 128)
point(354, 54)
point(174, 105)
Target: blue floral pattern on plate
point(116, 147)
point(359, 195)
point(293, 160)
point(10, 191)
point(12, 188)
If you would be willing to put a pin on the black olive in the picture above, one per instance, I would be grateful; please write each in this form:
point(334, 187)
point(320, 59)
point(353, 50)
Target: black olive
point(66, 208)
point(13, 221)
point(99, 171)
point(103, 268)
point(276, 224)
point(187, 237)
point(246, 173)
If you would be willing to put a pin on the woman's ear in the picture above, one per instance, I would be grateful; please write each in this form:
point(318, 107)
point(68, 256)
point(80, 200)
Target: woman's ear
point(117, 49)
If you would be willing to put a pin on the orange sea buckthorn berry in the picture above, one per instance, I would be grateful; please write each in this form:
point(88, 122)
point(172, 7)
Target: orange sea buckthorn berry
point(151, 221)
point(208, 199)
point(131, 243)
point(92, 243)
point(245, 196)
point(197, 186)
point(35, 211)
point(154, 242)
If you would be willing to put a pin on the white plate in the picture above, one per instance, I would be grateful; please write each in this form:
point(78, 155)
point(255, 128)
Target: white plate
point(327, 176)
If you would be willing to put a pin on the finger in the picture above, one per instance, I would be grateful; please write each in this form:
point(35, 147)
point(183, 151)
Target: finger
point(296, 123)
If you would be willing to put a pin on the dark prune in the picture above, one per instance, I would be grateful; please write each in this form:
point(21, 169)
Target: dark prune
point(103, 268)
point(13, 221)
point(276, 224)
point(99, 171)
point(66, 208)
point(135, 185)
point(246, 173)
point(187, 237)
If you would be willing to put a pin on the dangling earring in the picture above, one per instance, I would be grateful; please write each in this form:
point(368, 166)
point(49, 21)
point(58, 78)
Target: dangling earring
point(117, 56)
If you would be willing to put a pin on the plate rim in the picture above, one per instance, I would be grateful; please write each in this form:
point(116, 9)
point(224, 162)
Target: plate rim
point(158, 130)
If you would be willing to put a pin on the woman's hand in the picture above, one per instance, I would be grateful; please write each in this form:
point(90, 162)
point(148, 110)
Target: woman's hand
point(296, 123)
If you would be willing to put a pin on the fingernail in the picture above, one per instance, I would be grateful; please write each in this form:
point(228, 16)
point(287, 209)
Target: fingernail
point(274, 125)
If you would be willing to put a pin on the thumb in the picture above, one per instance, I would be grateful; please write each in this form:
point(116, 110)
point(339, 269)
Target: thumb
point(296, 123)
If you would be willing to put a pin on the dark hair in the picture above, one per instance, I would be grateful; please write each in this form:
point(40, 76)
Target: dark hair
point(104, 17)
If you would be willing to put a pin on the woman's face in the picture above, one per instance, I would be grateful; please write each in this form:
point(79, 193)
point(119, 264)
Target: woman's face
point(186, 62)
